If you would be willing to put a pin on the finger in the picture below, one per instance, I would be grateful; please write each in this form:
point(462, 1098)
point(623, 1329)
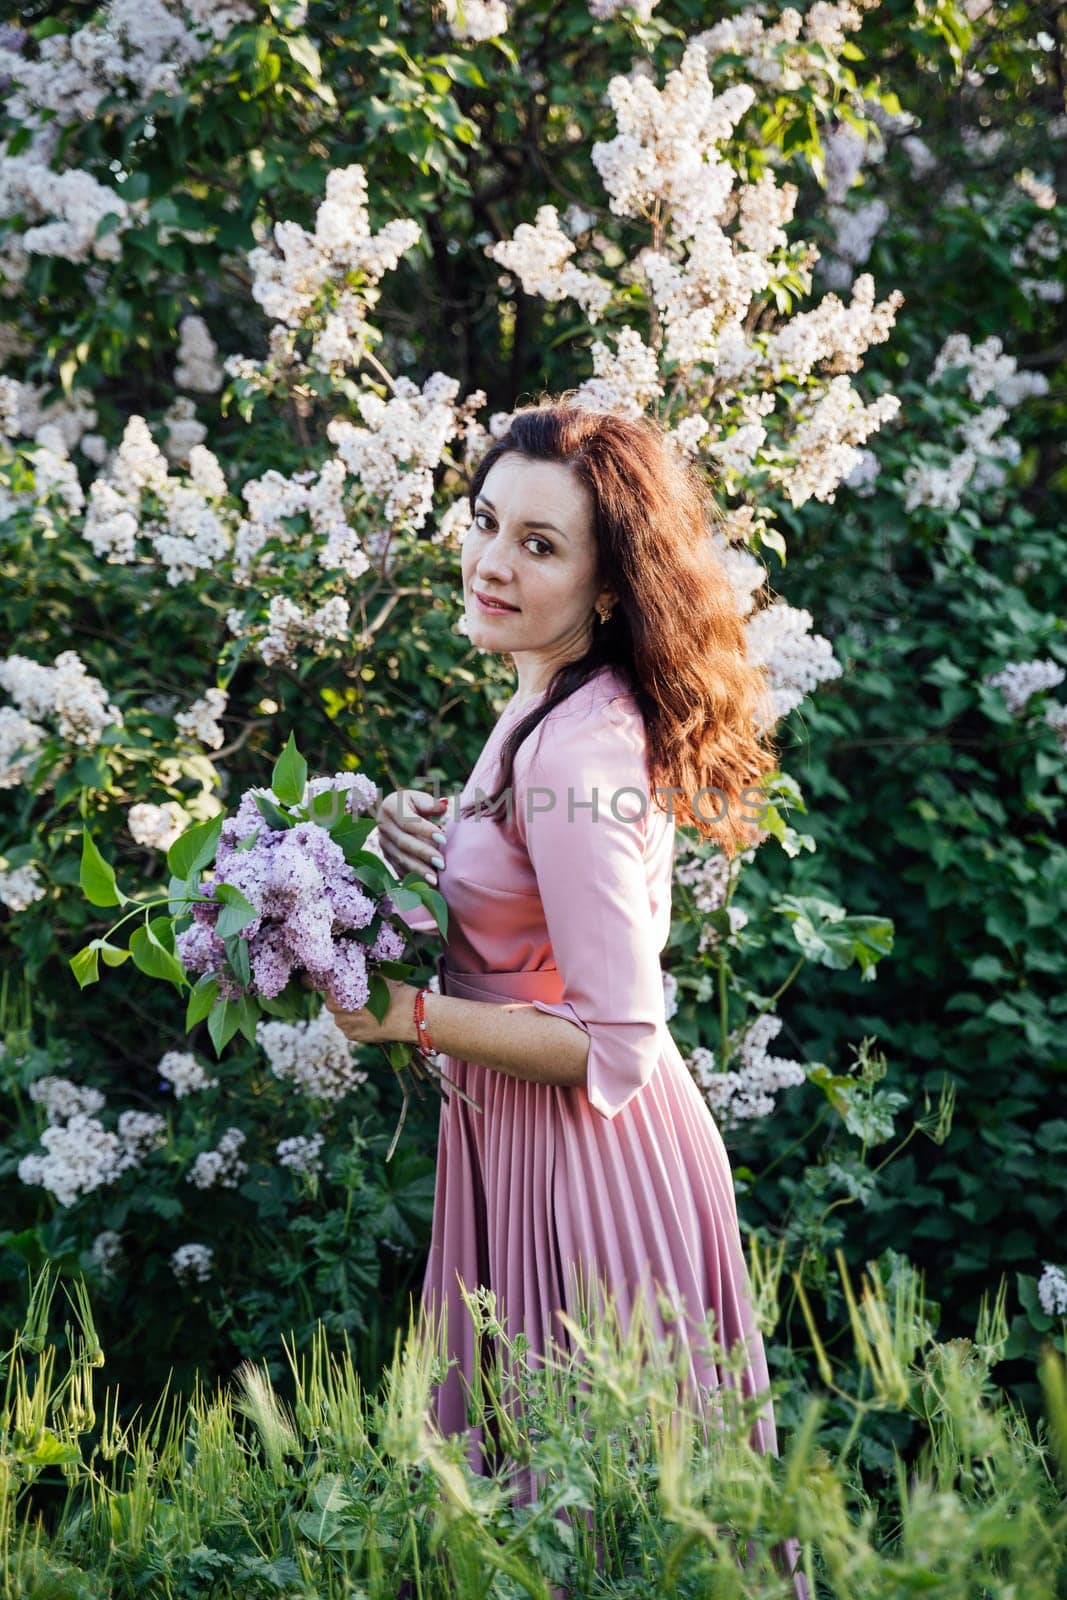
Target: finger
point(415, 844)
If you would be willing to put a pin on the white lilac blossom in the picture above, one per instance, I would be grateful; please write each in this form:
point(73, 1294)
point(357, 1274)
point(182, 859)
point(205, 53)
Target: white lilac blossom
point(796, 660)
point(667, 145)
point(722, 244)
point(66, 209)
point(1056, 719)
point(605, 10)
point(106, 1252)
point(141, 1132)
point(833, 332)
point(670, 995)
point(626, 379)
point(198, 365)
point(183, 1073)
point(989, 370)
point(157, 826)
point(63, 1099)
point(192, 1263)
point(1043, 245)
point(66, 692)
point(1019, 680)
point(10, 393)
point(289, 627)
point(747, 1092)
point(306, 899)
point(201, 720)
point(129, 51)
point(71, 415)
point(83, 1155)
point(273, 498)
point(855, 231)
point(222, 1167)
point(20, 887)
point(289, 279)
point(539, 256)
point(827, 437)
point(864, 475)
point(1052, 1291)
point(301, 1154)
point(184, 521)
point(471, 21)
point(708, 879)
point(977, 451)
point(778, 52)
point(54, 474)
point(184, 431)
point(314, 1056)
point(393, 455)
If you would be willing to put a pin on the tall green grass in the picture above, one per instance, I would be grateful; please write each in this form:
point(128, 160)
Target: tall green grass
point(334, 1491)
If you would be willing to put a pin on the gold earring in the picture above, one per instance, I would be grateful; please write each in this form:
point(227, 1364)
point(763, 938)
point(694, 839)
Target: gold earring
point(603, 612)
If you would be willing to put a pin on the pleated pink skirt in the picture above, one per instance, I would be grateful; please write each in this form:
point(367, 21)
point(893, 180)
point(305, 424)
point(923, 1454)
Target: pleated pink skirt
point(538, 1196)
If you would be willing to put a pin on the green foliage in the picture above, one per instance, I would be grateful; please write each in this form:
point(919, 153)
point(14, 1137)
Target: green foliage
point(919, 911)
point(319, 1485)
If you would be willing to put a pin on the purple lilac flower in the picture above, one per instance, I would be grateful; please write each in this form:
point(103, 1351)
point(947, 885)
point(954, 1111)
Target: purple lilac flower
point(306, 898)
point(351, 907)
point(346, 985)
point(361, 791)
point(200, 949)
point(388, 945)
point(272, 961)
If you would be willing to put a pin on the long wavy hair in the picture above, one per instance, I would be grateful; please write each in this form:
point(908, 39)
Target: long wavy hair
point(675, 633)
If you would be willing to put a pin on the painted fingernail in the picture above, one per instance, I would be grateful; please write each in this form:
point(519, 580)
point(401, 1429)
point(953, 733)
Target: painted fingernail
point(439, 838)
point(438, 861)
point(431, 877)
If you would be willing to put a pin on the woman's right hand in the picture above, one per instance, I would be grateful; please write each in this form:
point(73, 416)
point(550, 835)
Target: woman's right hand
point(409, 827)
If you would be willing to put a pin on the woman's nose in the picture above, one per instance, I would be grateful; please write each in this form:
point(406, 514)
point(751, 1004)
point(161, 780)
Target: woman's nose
point(493, 565)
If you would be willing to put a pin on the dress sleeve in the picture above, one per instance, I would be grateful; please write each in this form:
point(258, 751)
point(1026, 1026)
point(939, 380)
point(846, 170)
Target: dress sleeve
point(593, 884)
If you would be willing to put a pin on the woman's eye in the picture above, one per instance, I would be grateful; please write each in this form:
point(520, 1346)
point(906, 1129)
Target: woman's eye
point(535, 536)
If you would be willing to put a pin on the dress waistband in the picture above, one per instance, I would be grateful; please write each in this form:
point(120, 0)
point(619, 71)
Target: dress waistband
point(544, 984)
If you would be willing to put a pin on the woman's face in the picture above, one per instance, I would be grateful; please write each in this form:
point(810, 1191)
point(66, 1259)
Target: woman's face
point(546, 572)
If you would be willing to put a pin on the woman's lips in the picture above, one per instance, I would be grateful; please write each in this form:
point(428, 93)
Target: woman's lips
point(494, 610)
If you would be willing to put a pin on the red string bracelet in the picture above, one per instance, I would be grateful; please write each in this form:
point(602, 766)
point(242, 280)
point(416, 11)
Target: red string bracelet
point(421, 1036)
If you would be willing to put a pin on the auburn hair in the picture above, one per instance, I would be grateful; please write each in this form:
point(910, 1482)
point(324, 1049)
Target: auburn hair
point(675, 633)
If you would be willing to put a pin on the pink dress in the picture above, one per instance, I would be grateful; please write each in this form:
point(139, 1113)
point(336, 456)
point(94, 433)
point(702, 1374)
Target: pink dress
point(627, 1178)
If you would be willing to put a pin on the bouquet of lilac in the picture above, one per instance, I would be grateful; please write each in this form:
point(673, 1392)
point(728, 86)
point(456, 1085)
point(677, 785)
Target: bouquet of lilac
point(293, 893)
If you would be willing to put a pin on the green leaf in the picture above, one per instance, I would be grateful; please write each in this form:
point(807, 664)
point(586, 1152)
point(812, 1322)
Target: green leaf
point(149, 948)
point(238, 957)
point(195, 848)
point(85, 966)
point(97, 877)
point(274, 817)
point(113, 954)
point(289, 778)
point(222, 1023)
point(378, 1001)
point(328, 809)
point(203, 997)
point(248, 1014)
point(236, 911)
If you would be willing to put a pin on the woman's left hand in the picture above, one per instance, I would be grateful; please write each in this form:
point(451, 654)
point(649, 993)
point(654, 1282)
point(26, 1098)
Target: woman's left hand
point(363, 1027)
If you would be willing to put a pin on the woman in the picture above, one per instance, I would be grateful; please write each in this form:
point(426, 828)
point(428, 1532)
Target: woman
point(593, 1152)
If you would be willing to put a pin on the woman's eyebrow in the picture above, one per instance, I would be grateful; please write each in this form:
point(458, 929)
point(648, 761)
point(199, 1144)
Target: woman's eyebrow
point(527, 524)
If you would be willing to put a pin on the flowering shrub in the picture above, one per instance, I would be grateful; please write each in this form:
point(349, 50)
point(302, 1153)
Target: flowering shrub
point(249, 362)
